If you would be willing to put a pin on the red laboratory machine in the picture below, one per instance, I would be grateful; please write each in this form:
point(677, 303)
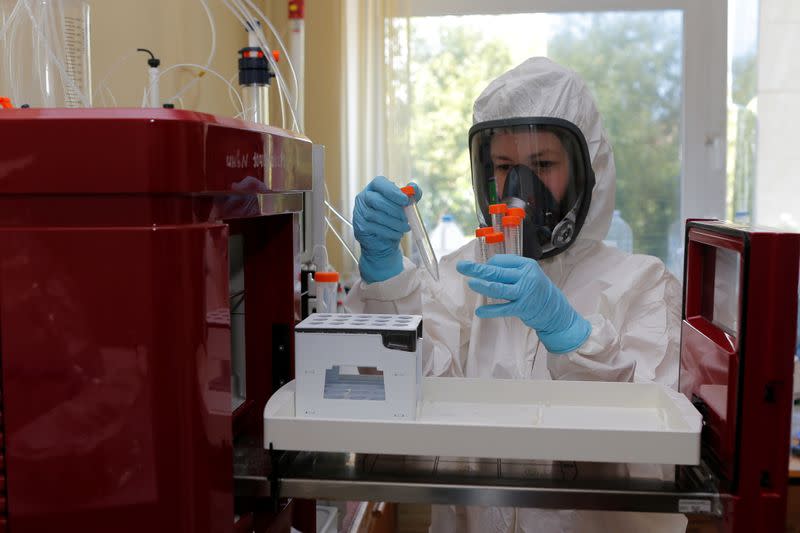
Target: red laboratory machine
point(148, 261)
point(737, 347)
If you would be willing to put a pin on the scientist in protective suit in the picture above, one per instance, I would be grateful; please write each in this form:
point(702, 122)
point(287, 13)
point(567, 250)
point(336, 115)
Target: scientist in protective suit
point(574, 308)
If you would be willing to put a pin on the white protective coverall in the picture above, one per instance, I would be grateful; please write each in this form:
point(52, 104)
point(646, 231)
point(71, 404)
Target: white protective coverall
point(631, 301)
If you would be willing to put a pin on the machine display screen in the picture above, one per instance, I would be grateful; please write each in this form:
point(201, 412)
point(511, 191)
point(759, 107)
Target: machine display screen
point(721, 306)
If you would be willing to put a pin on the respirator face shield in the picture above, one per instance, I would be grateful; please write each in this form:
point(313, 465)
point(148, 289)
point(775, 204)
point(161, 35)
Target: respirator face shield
point(541, 165)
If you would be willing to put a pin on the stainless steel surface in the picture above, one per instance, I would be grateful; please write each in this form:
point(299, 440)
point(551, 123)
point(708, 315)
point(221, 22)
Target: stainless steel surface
point(273, 204)
point(261, 158)
point(467, 481)
point(254, 204)
point(290, 162)
point(315, 212)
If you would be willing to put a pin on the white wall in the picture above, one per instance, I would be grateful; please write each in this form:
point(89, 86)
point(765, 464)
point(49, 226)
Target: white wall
point(777, 196)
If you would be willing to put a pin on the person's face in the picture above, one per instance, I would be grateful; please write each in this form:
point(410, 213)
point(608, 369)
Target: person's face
point(540, 151)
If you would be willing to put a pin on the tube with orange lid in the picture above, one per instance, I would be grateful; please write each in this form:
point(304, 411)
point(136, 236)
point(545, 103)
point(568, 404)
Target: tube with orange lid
point(419, 234)
point(326, 284)
point(513, 236)
point(495, 244)
point(516, 211)
point(498, 211)
point(481, 234)
point(519, 212)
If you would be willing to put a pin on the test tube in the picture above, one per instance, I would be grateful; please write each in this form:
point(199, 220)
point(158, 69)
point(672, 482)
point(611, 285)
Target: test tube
point(519, 212)
point(512, 234)
point(481, 234)
point(516, 211)
point(327, 284)
point(494, 246)
point(498, 211)
point(493, 190)
point(419, 233)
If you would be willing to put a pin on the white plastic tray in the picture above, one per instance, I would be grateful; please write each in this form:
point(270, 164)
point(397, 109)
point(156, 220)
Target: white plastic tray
point(510, 419)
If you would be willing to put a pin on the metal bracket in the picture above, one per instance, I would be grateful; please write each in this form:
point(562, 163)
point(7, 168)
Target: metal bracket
point(475, 481)
point(274, 478)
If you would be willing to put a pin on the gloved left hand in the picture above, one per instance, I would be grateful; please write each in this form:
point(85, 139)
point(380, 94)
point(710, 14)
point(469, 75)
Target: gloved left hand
point(531, 296)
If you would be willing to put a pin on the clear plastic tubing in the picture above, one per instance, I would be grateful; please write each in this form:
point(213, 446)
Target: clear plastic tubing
point(54, 68)
point(255, 98)
point(498, 211)
point(495, 244)
point(481, 234)
point(512, 234)
point(419, 233)
point(327, 291)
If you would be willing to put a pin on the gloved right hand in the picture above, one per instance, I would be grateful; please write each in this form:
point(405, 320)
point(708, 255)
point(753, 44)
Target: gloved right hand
point(531, 297)
point(379, 223)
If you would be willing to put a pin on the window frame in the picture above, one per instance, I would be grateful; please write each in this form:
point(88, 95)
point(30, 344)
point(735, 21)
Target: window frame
point(704, 110)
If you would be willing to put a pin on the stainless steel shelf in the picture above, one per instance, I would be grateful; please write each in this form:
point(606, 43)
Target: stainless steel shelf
point(469, 481)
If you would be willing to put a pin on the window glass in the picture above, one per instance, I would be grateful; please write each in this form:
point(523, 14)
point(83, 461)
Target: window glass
point(723, 310)
point(742, 109)
point(631, 61)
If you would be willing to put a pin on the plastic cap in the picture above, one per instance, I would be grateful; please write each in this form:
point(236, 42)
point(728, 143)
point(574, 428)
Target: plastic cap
point(408, 190)
point(494, 238)
point(5, 102)
point(251, 53)
point(326, 277)
point(512, 221)
point(498, 209)
point(296, 9)
point(483, 232)
point(517, 212)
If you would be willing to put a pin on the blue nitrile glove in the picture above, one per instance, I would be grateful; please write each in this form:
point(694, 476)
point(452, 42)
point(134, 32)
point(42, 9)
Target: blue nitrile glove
point(531, 296)
point(379, 223)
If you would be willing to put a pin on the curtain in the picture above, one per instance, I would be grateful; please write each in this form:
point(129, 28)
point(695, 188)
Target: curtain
point(376, 97)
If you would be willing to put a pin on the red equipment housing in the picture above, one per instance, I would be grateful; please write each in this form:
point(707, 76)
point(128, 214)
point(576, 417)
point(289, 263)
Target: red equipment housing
point(115, 315)
point(737, 357)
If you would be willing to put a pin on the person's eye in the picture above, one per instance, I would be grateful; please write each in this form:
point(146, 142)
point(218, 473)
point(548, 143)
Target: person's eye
point(544, 164)
point(503, 167)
